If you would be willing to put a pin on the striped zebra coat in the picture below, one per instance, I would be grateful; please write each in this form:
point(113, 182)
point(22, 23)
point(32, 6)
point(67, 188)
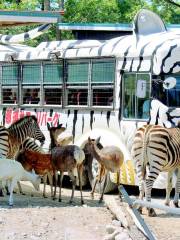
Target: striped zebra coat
point(20, 135)
point(157, 148)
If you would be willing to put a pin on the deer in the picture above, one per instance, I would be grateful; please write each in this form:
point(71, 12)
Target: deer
point(69, 159)
point(110, 159)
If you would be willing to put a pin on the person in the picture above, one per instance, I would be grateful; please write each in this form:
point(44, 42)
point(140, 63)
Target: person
point(33, 98)
point(7, 96)
point(146, 107)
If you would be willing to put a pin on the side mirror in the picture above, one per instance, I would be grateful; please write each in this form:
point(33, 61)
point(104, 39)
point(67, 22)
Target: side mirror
point(169, 83)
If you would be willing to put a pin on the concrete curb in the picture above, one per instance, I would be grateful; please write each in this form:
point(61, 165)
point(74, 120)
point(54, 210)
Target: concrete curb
point(120, 210)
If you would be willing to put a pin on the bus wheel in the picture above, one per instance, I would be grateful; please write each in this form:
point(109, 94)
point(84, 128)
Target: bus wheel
point(92, 173)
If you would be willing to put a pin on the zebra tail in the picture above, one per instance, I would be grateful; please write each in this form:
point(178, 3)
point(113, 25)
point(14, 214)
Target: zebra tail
point(144, 151)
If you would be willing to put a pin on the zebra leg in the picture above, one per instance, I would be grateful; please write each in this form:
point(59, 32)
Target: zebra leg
point(141, 185)
point(148, 187)
point(177, 189)
point(168, 188)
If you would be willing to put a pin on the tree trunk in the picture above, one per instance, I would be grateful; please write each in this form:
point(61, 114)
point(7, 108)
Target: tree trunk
point(46, 5)
point(58, 32)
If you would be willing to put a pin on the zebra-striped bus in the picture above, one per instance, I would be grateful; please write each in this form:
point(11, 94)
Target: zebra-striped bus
point(96, 88)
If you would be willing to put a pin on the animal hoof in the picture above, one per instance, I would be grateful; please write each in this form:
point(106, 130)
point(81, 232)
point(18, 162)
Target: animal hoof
point(53, 198)
point(139, 210)
point(92, 196)
point(82, 202)
point(23, 193)
point(60, 200)
point(100, 200)
point(44, 196)
point(1, 193)
point(151, 213)
point(176, 204)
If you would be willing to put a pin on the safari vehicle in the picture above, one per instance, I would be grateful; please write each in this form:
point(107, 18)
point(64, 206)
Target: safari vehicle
point(97, 88)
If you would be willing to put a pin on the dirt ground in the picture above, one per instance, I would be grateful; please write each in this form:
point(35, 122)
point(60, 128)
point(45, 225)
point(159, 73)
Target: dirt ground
point(38, 218)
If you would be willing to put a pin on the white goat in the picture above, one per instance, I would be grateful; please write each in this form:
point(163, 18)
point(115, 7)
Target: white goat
point(12, 171)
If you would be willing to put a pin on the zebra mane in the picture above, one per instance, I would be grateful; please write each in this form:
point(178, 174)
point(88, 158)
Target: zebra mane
point(24, 120)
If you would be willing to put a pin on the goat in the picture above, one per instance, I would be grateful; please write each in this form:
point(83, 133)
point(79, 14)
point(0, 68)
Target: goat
point(40, 162)
point(67, 159)
point(110, 159)
point(13, 171)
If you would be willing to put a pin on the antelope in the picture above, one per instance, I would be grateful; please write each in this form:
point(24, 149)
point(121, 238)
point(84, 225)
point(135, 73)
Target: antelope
point(110, 159)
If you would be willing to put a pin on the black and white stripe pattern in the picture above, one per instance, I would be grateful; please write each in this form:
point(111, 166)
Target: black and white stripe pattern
point(12, 137)
point(4, 144)
point(158, 53)
point(22, 37)
point(30, 144)
point(158, 148)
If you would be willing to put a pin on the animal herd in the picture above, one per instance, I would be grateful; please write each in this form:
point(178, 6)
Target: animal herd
point(27, 160)
point(155, 149)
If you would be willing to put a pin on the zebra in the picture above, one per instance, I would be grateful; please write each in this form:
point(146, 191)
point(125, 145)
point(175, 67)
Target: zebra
point(158, 148)
point(19, 131)
point(11, 138)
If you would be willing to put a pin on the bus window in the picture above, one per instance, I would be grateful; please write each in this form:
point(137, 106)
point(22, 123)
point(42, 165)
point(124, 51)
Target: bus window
point(136, 97)
point(102, 97)
point(77, 96)
point(9, 83)
point(77, 82)
point(102, 81)
point(53, 96)
point(52, 82)
point(9, 96)
point(31, 96)
point(31, 80)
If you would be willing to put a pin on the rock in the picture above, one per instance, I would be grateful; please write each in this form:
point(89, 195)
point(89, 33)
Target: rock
point(110, 229)
point(111, 236)
point(122, 236)
point(116, 223)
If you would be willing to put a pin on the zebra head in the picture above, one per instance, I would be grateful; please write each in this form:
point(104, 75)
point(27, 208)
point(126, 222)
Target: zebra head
point(27, 127)
point(34, 129)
